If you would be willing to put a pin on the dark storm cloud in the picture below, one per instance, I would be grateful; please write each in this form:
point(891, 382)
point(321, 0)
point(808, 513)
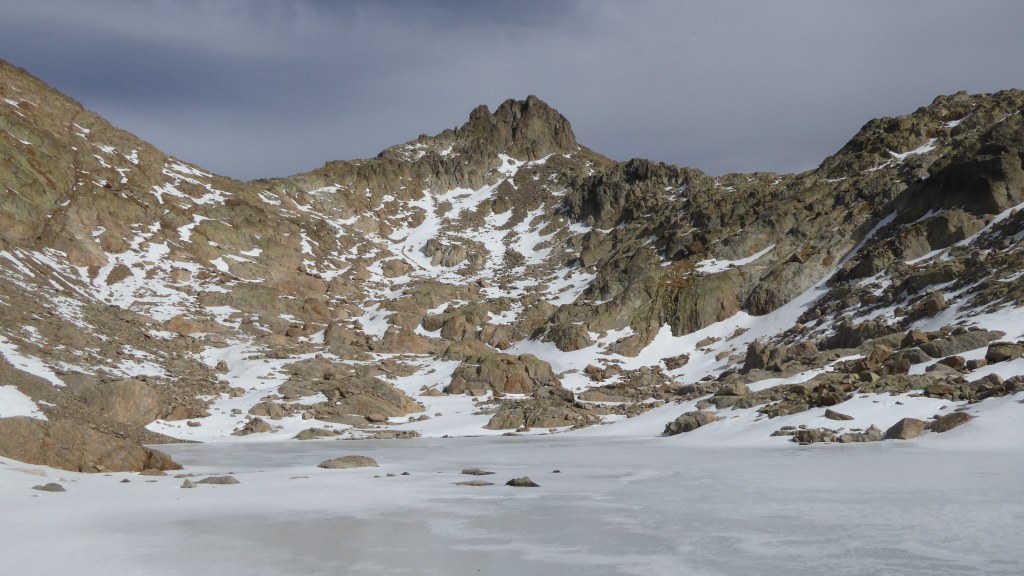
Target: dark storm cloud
point(264, 88)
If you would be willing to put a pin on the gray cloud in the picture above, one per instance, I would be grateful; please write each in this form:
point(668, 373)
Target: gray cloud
point(269, 88)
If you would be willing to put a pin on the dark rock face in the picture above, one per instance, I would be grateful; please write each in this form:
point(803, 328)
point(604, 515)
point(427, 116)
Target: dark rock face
point(987, 178)
point(528, 129)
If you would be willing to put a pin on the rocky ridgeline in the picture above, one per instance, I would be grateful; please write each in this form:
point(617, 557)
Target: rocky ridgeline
point(137, 287)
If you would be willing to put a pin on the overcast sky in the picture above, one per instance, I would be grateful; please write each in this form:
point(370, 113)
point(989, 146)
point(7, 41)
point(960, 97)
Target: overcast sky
point(270, 88)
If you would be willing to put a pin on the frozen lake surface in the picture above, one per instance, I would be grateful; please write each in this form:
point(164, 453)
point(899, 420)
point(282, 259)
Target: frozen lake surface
point(619, 506)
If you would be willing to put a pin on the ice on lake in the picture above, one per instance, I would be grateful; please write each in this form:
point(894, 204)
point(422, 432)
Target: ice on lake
point(619, 506)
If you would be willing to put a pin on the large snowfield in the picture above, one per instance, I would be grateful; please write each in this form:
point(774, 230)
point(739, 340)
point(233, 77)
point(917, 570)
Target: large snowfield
point(622, 503)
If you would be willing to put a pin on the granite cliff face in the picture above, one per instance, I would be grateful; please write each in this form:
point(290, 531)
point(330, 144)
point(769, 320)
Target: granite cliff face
point(498, 276)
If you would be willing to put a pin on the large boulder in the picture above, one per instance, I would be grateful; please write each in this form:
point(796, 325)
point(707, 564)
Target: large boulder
point(507, 419)
point(568, 337)
point(906, 429)
point(503, 374)
point(72, 446)
point(548, 407)
point(689, 421)
point(957, 343)
point(949, 421)
point(351, 461)
point(1003, 351)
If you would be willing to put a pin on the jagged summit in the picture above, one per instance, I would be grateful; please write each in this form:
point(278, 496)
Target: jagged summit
point(470, 156)
point(525, 129)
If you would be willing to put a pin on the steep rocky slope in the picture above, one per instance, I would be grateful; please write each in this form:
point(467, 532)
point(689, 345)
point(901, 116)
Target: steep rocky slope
point(498, 277)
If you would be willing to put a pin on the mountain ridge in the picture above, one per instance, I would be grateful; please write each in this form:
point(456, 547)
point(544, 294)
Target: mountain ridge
point(499, 274)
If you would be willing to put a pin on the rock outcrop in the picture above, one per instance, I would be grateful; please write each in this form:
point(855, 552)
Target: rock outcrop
point(65, 444)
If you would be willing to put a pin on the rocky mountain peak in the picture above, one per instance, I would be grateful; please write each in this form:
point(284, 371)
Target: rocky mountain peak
point(952, 119)
point(526, 129)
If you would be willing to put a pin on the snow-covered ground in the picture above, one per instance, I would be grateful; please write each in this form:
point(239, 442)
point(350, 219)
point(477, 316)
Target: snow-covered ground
point(620, 505)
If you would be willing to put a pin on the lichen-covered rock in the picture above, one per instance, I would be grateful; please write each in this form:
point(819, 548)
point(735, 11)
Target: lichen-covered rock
point(688, 422)
point(350, 461)
point(949, 421)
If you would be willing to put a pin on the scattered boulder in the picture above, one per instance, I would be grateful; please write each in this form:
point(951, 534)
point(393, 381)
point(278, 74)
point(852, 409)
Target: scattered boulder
point(934, 303)
point(49, 487)
point(913, 338)
point(677, 361)
point(872, 434)
point(814, 435)
point(255, 425)
point(315, 433)
point(955, 362)
point(268, 409)
point(975, 364)
point(1003, 351)
point(941, 389)
point(523, 482)
point(188, 484)
point(688, 422)
point(956, 343)
point(219, 480)
point(949, 421)
point(507, 419)
point(805, 436)
point(476, 472)
point(733, 389)
point(878, 355)
point(941, 369)
point(849, 335)
point(905, 429)
point(833, 415)
point(569, 337)
point(352, 461)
